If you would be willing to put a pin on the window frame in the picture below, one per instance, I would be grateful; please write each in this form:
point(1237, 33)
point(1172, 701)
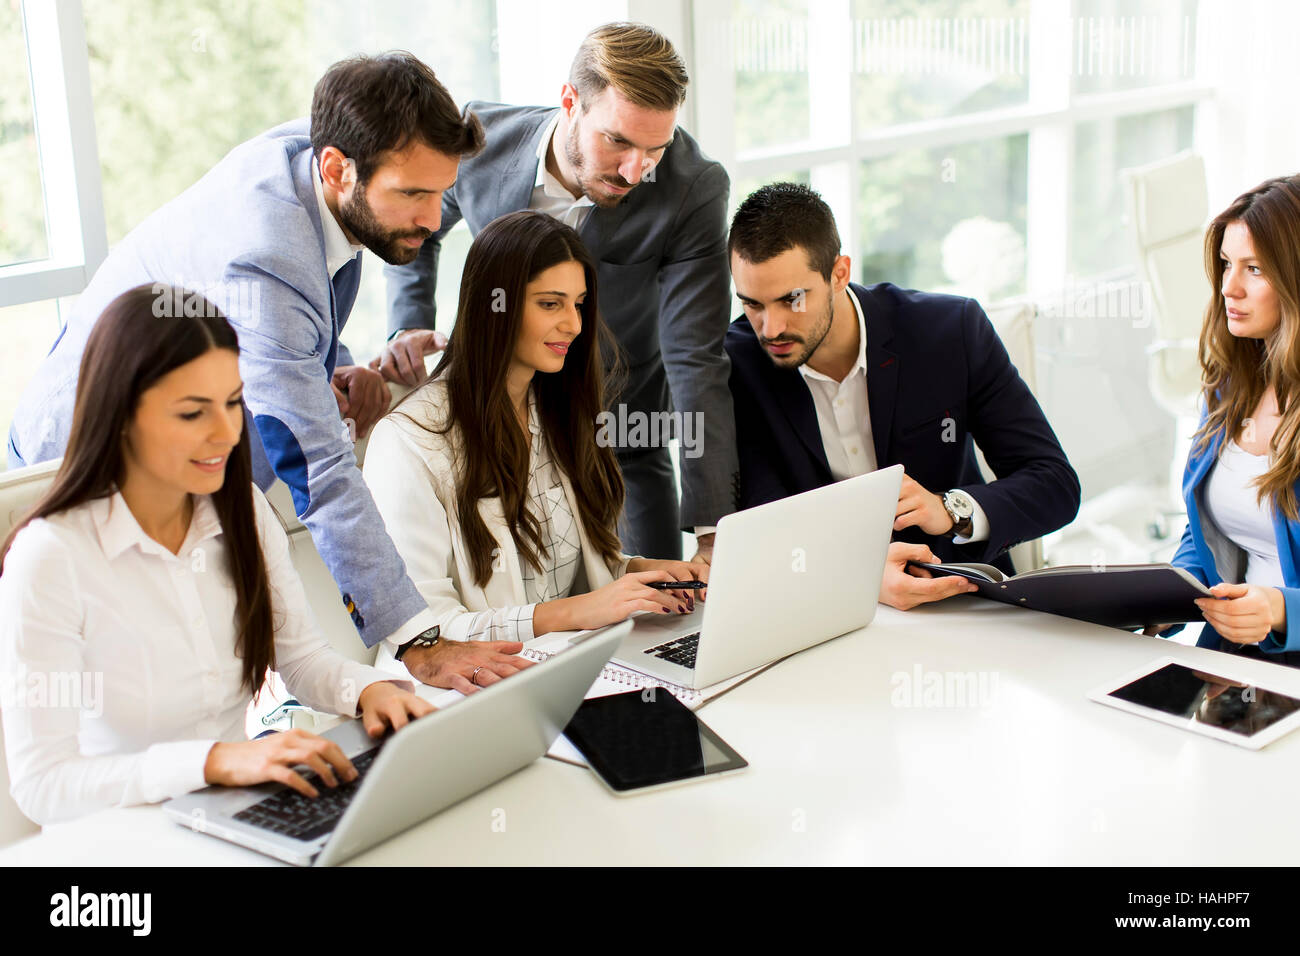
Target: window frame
point(1050, 117)
point(59, 71)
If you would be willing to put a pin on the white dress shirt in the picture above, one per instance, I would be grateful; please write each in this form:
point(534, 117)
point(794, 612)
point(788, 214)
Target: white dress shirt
point(141, 643)
point(338, 251)
point(844, 421)
point(842, 414)
point(549, 194)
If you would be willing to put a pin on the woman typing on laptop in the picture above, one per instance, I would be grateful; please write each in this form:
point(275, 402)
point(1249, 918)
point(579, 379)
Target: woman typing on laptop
point(1240, 486)
point(150, 590)
point(491, 478)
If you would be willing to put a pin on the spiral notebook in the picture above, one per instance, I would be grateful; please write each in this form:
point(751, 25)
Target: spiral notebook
point(617, 679)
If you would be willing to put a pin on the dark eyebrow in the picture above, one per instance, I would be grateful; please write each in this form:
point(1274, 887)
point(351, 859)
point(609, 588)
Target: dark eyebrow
point(622, 139)
point(562, 295)
point(206, 401)
point(427, 189)
point(793, 293)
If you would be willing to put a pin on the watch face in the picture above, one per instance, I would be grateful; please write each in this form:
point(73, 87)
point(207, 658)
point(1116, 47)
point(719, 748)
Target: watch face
point(961, 504)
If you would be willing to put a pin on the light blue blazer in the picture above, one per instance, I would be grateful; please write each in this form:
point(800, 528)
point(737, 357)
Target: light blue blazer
point(248, 235)
point(1213, 558)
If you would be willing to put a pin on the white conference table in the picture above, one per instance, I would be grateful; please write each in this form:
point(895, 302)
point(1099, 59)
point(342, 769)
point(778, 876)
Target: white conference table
point(840, 773)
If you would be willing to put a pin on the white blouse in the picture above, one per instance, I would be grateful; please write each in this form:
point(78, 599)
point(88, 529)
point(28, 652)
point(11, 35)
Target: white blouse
point(1232, 502)
point(411, 469)
point(119, 662)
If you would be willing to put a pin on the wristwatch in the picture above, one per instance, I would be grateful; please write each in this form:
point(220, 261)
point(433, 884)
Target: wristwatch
point(961, 508)
point(424, 639)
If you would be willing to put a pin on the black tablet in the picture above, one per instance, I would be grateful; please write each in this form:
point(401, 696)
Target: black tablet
point(648, 739)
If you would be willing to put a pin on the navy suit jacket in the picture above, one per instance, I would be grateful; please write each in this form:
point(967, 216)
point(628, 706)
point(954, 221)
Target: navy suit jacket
point(938, 376)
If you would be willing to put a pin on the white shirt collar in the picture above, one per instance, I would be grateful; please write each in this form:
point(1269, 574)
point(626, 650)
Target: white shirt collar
point(338, 251)
point(118, 530)
point(551, 185)
point(809, 372)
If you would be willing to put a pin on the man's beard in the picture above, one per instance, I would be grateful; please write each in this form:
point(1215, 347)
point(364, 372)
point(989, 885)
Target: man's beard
point(360, 220)
point(811, 345)
point(588, 183)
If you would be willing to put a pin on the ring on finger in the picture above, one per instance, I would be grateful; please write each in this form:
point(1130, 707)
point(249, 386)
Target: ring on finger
point(473, 678)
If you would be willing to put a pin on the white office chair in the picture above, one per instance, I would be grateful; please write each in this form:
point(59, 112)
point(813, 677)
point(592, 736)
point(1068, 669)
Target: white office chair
point(1013, 320)
point(19, 490)
point(1168, 205)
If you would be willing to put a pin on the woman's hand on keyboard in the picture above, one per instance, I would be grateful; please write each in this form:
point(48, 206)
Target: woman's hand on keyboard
point(273, 758)
point(384, 704)
point(615, 602)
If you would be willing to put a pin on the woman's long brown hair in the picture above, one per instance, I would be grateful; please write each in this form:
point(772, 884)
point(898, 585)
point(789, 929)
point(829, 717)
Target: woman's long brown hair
point(137, 341)
point(1235, 371)
point(492, 452)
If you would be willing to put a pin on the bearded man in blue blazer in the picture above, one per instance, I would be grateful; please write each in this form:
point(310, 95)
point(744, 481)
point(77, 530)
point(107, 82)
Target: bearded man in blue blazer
point(272, 236)
point(831, 379)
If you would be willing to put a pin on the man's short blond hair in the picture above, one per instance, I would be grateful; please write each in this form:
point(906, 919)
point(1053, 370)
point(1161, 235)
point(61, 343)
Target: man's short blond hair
point(637, 60)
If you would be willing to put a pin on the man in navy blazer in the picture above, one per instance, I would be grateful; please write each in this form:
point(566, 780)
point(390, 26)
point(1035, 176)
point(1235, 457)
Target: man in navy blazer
point(831, 379)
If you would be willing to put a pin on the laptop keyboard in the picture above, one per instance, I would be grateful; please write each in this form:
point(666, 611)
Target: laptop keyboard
point(680, 650)
point(292, 814)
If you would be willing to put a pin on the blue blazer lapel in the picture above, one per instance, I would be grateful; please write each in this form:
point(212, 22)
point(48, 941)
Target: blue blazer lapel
point(882, 366)
point(1198, 469)
point(304, 187)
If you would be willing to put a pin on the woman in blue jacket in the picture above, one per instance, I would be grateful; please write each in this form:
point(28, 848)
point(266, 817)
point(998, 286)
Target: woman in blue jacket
point(1240, 486)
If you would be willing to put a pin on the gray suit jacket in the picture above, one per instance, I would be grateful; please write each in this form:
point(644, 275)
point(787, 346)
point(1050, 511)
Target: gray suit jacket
point(664, 286)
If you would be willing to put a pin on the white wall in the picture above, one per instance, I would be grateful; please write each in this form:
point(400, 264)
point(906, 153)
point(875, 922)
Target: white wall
point(1251, 131)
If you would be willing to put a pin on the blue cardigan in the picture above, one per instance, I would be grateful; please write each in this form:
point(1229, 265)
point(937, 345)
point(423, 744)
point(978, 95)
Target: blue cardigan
point(1195, 555)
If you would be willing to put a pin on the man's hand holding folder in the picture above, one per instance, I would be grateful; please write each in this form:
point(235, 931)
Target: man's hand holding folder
point(906, 585)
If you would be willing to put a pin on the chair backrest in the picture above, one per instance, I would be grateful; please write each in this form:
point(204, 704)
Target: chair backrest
point(1168, 205)
point(19, 490)
point(1013, 320)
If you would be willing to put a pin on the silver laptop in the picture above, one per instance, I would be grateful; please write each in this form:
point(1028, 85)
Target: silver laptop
point(427, 766)
point(785, 576)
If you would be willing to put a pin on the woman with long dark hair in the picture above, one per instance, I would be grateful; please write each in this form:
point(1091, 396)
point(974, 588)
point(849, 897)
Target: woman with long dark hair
point(492, 478)
point(152, 586)
point(1243, 515)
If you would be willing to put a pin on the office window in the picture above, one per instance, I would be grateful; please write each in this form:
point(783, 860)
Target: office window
point(771, 72)
point(22, 208)
point(967, 236)
point(1100, 240)
point(177, 87)
point(1130, 44)
point(915, 61)
point(972, 147)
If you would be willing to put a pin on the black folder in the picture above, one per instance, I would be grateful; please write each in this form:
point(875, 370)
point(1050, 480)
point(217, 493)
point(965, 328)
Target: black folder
point(1128, 595)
